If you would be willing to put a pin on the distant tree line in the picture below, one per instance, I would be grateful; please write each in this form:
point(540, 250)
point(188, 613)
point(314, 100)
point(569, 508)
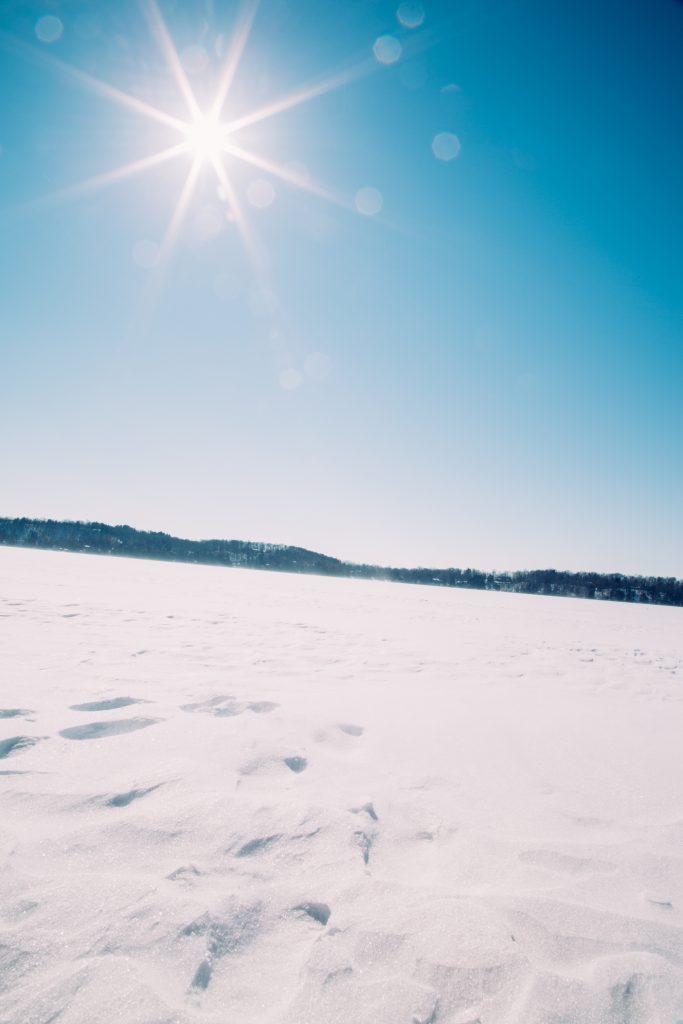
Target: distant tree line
point(98, 538)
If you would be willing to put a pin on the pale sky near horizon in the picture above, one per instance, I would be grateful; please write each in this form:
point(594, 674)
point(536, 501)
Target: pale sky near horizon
point(459, 345)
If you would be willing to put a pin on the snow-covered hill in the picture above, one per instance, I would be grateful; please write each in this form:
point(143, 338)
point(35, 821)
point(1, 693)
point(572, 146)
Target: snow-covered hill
point(236, 796)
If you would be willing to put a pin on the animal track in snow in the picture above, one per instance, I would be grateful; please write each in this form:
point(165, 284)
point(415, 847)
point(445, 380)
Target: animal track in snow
point(100, 730)
point(15, 744)
point(296, 764)
point(14, 712)
point(107, 705)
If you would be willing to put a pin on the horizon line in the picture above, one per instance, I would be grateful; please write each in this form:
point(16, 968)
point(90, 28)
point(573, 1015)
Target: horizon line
point(342, 561)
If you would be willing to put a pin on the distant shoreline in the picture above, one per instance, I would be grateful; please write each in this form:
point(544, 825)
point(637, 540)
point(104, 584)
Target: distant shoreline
point(102, 539)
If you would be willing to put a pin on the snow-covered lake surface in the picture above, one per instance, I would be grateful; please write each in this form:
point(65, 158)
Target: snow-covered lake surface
point(231, 796)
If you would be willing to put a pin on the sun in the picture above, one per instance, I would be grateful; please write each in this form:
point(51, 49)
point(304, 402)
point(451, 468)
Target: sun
point(206, 137)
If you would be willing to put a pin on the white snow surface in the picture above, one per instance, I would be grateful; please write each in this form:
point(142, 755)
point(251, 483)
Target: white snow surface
point(319, 800)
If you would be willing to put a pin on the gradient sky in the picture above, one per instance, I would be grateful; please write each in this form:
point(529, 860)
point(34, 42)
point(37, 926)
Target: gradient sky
point(487, 372)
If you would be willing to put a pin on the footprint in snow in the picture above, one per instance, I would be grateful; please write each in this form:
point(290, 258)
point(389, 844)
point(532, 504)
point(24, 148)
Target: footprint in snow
point(202, 975)
point(262, 707)
point(319, 912)
point(99, 730)
point(364, 842)
point(266, 764)
point(368, 809)
point(124, 799)
point(223, 706)
point(219, 706)
point(15, 744)
point(257, 845)
point(184, 874)
point(14, 712)
point(107, 705)
point(351, 730)
point(663, 904)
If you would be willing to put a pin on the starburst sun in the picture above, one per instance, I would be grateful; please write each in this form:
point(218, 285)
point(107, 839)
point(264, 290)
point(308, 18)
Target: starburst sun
point(205, 139)
point(204, 135)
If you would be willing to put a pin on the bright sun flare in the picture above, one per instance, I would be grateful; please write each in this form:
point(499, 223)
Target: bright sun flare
point(205, 138)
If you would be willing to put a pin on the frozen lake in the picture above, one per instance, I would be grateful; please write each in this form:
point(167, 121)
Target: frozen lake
point(241, 796)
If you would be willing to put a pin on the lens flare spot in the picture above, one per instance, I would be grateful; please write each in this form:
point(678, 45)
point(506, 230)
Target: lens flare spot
point(387, 49)
point(446, 146)
point(410, 15)
point(49, 29)
point(369, 201)
point(260, 193)
point(290, 379)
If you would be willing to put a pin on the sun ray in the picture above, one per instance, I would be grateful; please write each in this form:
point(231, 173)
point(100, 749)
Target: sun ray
point(303, 95)
point(179, 212)
point(233, 56)
point(161, 34)
point(238, 213)
point(126, 100)
point(110, 177)
point(205, 138)
point(94, 84)
point(155, 281)
point(278, 171)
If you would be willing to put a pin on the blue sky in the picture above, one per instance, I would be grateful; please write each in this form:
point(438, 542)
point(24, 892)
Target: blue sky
point(487, 371)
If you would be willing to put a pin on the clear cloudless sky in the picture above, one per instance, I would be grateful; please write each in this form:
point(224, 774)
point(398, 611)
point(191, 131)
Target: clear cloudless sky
point(487, 371)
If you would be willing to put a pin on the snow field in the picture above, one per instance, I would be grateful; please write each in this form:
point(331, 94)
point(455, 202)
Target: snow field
point(241, 796)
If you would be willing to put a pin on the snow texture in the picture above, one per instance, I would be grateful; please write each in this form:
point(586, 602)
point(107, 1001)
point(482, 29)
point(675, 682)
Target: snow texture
point(241, 796)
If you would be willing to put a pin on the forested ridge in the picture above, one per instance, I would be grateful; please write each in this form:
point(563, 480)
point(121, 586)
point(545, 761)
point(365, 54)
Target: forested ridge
point(99, 538)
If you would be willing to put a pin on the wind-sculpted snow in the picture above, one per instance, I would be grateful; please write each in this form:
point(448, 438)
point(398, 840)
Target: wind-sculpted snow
point(358, 804)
